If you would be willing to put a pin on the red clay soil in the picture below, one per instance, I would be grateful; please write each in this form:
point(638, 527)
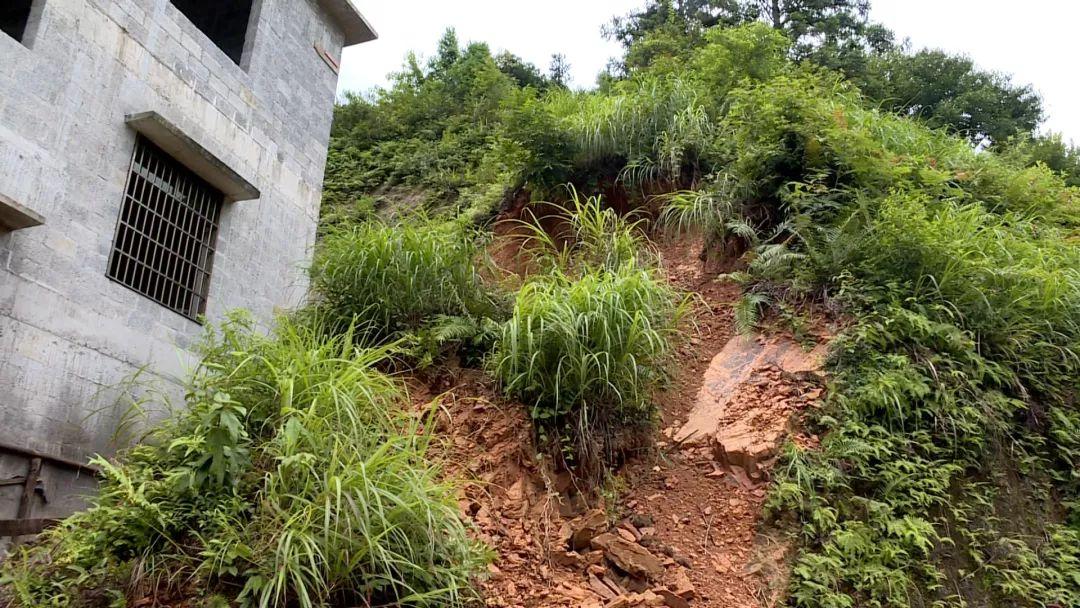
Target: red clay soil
point(698, 519)
point(706, 512)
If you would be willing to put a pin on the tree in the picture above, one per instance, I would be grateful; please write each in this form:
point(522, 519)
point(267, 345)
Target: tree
point(448, 53)
point(522, 72)
point(835, 33)
point(689, 16)
point(949, 91)
point(1050, 150)
point(945, 91)
point(559, 71)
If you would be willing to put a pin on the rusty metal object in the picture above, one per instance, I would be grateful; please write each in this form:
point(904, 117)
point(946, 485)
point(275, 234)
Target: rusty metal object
point(26, 501)
point(25, 527)
point(71, 464)
point(34, 485)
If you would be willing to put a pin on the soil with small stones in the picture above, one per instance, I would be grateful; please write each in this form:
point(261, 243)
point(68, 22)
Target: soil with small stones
point(701, 511)
point(700, 520)
point(681, 529)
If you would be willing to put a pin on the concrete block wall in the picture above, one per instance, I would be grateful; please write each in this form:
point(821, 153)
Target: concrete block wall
point(67, 333)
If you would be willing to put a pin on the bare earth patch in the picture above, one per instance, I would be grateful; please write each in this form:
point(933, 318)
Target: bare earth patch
point(685, 528)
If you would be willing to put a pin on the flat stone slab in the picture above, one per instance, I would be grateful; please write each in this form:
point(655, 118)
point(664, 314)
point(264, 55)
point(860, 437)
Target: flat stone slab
point(731, 369)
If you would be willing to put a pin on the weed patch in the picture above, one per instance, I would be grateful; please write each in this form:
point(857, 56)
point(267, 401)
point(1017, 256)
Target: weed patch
point(590, 338)
point(420, 279)
point(290, 479)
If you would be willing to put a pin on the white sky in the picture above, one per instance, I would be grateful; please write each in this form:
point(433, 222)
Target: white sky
point(1035, 40)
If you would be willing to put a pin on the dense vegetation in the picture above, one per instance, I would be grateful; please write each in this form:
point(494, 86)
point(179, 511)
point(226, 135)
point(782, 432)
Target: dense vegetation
point(959, 376)
point(418, 282)
point(941, 89)
point(941, 231)
point(292, 477)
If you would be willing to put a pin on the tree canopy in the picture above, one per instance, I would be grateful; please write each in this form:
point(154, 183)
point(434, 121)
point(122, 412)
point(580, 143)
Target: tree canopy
point(949, 91)
point(943, 90)
point(832, 32)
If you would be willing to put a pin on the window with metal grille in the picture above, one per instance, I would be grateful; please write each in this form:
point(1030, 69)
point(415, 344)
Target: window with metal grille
point(223, 21)
point(165, 236)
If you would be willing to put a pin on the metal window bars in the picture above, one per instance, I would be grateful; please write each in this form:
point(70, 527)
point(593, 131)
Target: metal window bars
point(165, 235)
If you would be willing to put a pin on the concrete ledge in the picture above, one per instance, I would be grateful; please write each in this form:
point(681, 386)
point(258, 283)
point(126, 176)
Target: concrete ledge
point(356, 27)
point(14, 216)
point(193, 155)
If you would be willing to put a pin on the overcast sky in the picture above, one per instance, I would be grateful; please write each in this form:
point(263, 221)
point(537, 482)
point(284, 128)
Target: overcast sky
point(1035, 40)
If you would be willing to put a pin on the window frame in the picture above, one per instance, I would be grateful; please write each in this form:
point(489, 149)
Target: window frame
point(33, 23)
point(251, 30)
point(156, 269)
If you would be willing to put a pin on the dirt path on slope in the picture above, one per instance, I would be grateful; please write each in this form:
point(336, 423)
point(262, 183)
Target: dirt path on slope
point(680, 528)
point(704, 509)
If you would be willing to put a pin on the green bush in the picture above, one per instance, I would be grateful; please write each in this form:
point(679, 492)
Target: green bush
point(958, 268)
point(430, 132)
point(393, 279)
point(586, 354)
point(959, 374)
point(292, 478)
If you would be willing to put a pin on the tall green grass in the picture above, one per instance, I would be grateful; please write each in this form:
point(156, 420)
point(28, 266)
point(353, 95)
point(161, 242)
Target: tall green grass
point(589, 340)
point(587, 234)
point(416, 278)
point(657, 126)
point(291, 478)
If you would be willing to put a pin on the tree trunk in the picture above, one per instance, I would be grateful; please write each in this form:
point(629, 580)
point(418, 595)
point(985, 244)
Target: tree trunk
point(777, 15)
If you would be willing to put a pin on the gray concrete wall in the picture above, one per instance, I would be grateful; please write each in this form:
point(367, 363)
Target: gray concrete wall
point(67, 333)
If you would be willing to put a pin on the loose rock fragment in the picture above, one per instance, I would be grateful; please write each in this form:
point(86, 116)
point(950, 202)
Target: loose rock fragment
point(599, 588)
point(586, 528)
point(681, 585)
point(672, 600)
point(629, 557)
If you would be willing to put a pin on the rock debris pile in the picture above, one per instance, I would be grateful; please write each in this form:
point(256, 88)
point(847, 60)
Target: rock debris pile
point(686, 531)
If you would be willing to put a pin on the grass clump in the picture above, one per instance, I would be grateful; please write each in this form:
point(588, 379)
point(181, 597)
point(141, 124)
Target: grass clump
point(585, 234)
point(586, 354)
point(417, 277)
point(291, 478)
point(588, 342)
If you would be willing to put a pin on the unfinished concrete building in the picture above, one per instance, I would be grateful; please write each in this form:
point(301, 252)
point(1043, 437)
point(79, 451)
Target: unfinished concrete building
point(161, 163)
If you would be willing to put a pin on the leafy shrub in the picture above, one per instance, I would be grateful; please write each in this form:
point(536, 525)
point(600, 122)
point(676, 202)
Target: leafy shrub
point(291, 479)
point(431, 132)
point(532, 137)
point(399, 278)
point(1049, 150)
point(586, 354)
point(959, 272)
